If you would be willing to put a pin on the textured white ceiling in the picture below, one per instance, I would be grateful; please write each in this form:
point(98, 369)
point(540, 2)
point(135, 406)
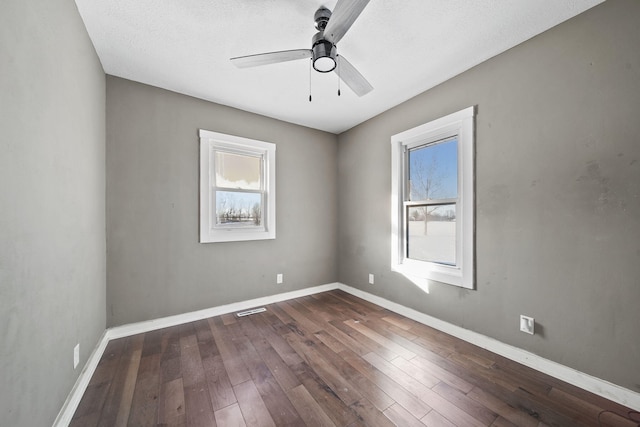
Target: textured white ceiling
point(402, 47)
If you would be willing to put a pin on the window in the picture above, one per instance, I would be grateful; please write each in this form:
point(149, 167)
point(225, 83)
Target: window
point(237, 188)
point(433, 200)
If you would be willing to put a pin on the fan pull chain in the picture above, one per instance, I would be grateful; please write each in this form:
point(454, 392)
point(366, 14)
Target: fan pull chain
point(338, 64)
point(310, 72)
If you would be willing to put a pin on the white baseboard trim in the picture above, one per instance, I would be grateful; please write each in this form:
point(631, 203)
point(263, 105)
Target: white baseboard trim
point(587, 382)
point(73, 400)
point(178, 319)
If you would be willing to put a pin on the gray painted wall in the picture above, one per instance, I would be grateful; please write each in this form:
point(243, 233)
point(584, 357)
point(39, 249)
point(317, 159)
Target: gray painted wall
point(52, 207)
point(155, 265)
point(557, 195)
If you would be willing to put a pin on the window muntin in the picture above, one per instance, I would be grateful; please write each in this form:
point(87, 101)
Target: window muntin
point(237, 188)
point(432, 187)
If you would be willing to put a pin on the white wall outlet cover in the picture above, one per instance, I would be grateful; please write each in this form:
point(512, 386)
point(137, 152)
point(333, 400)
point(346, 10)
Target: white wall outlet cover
point(279, 278)
point(76, 355)
point(527, 324)
point(371, 279)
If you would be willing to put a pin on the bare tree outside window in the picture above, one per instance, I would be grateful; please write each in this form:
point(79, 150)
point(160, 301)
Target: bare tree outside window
point(433, 191)
point(427, 176)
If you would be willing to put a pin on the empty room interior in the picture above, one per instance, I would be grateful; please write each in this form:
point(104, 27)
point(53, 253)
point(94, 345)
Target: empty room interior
point(442, 230)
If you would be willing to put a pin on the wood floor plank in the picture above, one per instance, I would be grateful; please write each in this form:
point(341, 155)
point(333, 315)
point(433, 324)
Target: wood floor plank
point(443, 406)
point(144, 406)
point(278, 368)
point(230, 416)
point(220, 388)
point(197, 404)
point(400, 340)
point(296, 311)
point(118, 402)
point(366, 387)
point(170, 369)
point(345, 339)
point(233, 363)
point(370, 415)
point(253, 409)
point(190, 361)
point(401, 417)
point(90, 407)
point(329, 373)
point(217, 381)
point(380, 339)
point(322, 312)
point(310, 411)
point(435, 419)
point(206, 344)
point(502, 422)
point(152, 343)
point(170, 343)
point(426, 366)
point(171, 406)
point(433, 346)
point(364, 340)
point(468, 405)
point(228, 319)
point(410, 369)
point(394, 390)
point(340, 414)
point(265, 322)
point(358, 302)
point(275, 400)
point(399, 321)
point(107, 365)
point(197, 401)
point(112, 399)
point(382, 325)
point(498, 406)
point(88, 411)
point(613, 418)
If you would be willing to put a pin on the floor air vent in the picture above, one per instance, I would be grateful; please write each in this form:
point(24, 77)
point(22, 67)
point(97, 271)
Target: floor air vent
point(252, 311)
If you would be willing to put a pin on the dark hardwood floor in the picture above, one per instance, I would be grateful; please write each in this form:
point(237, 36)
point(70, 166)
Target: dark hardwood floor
point(325, 360)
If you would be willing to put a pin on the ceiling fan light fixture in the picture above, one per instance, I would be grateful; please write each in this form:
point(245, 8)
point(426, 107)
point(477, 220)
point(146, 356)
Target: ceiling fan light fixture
point(324, 54)
point(324, 64)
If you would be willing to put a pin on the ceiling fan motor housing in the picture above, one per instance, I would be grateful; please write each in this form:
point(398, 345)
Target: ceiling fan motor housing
point(324, 54)
point(321, 18)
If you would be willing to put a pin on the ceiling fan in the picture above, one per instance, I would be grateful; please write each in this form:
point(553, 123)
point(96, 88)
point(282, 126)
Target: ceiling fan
point(331, 26)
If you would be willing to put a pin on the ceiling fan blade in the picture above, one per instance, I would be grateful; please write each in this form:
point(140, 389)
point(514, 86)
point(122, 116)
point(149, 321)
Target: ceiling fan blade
point(343, 16)
point(348, 74)
point(271, 58)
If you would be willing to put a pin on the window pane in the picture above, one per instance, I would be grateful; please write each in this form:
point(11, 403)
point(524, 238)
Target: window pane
point(237, 171)
point(431, 233)
point(433, 171)
point(236, 209)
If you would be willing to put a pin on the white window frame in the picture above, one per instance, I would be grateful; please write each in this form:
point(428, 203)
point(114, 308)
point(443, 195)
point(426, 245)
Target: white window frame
point(210, 142)
point(460, 124)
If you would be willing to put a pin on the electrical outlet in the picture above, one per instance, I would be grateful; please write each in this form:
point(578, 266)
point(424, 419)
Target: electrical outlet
point(279, 278)
point(76, 355)
point(371, 278)
point(527, 324)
